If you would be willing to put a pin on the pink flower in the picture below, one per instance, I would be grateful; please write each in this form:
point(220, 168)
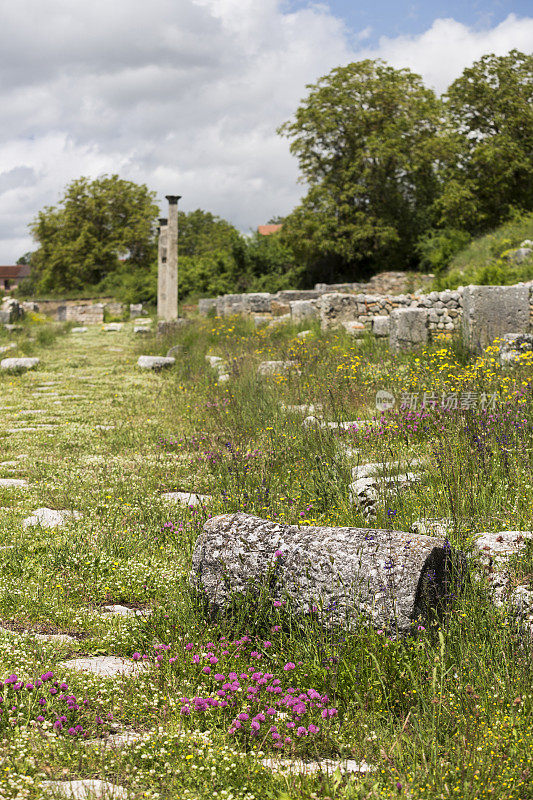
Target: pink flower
point(206, 670)
point(267, 644)
point(277, 603)
point(278, 554)
point(289, 666)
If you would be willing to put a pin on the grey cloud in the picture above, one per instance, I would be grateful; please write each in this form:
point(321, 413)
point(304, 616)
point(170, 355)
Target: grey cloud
point(184, 95)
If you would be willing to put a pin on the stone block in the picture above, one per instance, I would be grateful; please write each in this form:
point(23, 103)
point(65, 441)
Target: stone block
point(136, 310)
point(336, 308)
point(408, 328)
point(345, 572)
point(257, 302)
point(381, 326)
point(303, 310)
point(173, 326)
point(489, 312)
point(18, 364)
point(207, 305)
point(155, 362)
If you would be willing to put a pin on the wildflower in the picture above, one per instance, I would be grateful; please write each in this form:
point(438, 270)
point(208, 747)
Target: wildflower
point(289, 666)
point(278, 554)
point(136, 656)
point(277, 604)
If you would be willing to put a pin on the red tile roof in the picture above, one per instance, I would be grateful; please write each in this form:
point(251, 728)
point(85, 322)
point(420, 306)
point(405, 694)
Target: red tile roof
point(266, 230)
point(15, 271)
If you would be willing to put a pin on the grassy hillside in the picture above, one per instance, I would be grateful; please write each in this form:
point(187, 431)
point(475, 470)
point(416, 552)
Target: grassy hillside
point(486, 261)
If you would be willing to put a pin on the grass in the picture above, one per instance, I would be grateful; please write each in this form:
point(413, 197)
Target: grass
point(484, 260)
point(444, 713)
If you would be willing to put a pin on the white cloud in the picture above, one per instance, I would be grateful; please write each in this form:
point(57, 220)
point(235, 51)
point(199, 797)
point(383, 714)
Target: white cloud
point(441, 53)
point(184, 95)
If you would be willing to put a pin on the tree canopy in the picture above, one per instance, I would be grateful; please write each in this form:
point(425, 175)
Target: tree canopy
point(97, 225)
point(367, 141)
point(490, 107)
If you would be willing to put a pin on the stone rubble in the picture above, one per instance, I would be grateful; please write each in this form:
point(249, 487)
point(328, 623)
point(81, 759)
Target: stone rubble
point(18, 364)
point(155, 362)
point(50, 518)
point(89, 789)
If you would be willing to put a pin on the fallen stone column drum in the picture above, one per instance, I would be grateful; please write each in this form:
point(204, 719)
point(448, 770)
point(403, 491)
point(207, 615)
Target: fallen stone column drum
point(390, 578)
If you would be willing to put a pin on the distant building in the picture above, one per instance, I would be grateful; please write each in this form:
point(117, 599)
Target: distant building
point(10, 277)
point(268, 230)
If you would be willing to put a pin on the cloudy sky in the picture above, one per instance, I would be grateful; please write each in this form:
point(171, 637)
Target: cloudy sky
point(186, 95)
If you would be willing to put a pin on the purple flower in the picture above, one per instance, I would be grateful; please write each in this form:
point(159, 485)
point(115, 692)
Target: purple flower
point(47, 676)
point(206, 670)
point(136, 656)
point(30, 687)
point(243, 716)
point(301, 731)
point(40, 718)
point(289, 666)
point(278, 554)
point(313, 729)
point(277, 603)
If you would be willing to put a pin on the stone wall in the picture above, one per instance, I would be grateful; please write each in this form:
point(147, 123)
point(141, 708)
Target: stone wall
point(89, 314)
point(480, 313)
point(444, 308)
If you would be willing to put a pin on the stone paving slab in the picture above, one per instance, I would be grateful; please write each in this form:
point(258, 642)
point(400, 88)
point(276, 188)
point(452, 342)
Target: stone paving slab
point(90, 789)
point(105, 666)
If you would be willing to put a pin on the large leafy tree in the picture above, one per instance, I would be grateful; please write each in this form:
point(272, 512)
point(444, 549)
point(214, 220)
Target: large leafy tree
point(368, 140)
point(491, 109)
point(99, 229)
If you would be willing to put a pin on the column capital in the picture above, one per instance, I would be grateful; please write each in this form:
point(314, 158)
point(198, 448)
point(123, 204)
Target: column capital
point(163, 221)
point(173, 199)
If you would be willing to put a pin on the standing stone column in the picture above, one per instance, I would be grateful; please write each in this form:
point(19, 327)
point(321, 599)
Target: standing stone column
point(162, 268)
point(171, 302)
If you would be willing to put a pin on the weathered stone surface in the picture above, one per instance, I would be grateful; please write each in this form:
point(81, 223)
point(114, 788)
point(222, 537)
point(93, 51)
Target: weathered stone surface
point(141, 329)
point(207, 305)
point(328, 765)
point(125, 611)
point(106, 666)
point(155, 362)
point(170, 327)
point(354, 328)
point(303, 310)
point(304, 334)
point(187, 498)
point(381, 326)
point(136, 310)
point(490, 312)
point(81, 329)
point(257, 302)
point(50, 518)
point(513, 347)
point(13, 483)
point(18, 364)
point(113, 326)
point(89, 789)
point(345, 573)
point(336, 308)
point(174, 351)
point(408, 328)
point(276, 367)
point(497, 546)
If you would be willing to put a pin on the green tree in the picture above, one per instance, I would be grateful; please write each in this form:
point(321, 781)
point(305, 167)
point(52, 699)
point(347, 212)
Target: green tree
point(201, 232)
point(99, 228)
point(368, 139)
point(491, 109)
